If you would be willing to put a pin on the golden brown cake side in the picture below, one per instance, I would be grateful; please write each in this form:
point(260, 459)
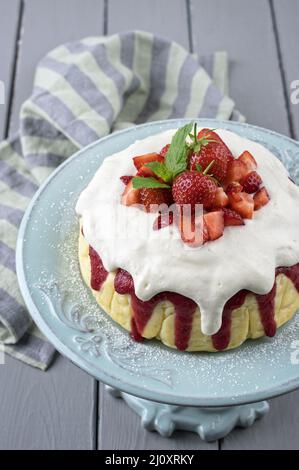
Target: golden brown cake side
point(245, 321)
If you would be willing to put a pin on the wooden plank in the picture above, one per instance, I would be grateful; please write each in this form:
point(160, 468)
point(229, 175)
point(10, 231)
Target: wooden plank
point(45, 410)
point(47, 25)
point(287, 23)
point(53, 409)
point(119, 427)
point(244, 29)
point(167, 18)
point(279, 430)
point(257, 87)
point(9, 20)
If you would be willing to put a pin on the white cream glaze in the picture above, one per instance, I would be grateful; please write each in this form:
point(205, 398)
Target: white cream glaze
point(243, 258)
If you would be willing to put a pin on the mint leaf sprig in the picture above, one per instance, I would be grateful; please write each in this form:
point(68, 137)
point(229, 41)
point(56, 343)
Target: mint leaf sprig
point(161, 170)
point(175, 162)
point(176, 159)
point(148, 182)
point(176, 156)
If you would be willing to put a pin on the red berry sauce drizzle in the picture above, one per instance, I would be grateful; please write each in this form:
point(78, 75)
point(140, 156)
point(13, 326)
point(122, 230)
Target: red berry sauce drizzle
point(221, 339)
point(98, 272)
point(184, 307)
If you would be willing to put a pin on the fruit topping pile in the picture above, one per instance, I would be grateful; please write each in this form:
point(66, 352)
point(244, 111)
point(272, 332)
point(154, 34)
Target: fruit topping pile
point(196, 169)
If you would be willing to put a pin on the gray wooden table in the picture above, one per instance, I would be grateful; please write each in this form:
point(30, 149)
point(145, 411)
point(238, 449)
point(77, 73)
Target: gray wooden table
point(65, 408)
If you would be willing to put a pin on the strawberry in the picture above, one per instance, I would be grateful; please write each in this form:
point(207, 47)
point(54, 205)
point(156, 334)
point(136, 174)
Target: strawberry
point(147, 158)
point(234, 187)
point(215, 224)
point(261, 198)
point(236, 170)
point(130, 195)
point(242, 203)
point(213, 149)
point(231, 217)
point(154, 196)
point(194, 233)
point(251, 182)
point(192, 187)
point(164, 150)
point(126, 179)
point(200, 171)
point(249, 160)
point(145, 171)
point(163, 220)
point(221, 198)
point(205, 232)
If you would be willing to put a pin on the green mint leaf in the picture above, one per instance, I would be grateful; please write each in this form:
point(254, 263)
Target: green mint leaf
point(176, 157)
point(160, 170)
point(147, 182)
point(199, 167)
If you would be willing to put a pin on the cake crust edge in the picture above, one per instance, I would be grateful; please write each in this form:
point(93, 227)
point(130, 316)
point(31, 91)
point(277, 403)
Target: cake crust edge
point(245, 320)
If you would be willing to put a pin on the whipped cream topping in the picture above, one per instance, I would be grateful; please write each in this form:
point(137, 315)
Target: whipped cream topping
point(245, 257)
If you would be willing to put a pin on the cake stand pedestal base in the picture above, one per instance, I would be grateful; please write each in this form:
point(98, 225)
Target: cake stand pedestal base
point(209, 423)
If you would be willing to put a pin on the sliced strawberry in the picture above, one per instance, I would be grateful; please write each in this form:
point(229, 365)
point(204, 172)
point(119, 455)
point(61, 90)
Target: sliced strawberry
point(249, 160)
point(251, 182)
point(130, 195)
point(231, 217)
point(236, 170)
point(145, 171)
point(141, 160)
point(242, 203)
point(221, 198)
point(193, 233)
point(215, 224)
point(164, 150)
point(205, 232)
point(126, 179)
point(163, 220)
point(261, 198)
point(234, 187)
point(153, 197)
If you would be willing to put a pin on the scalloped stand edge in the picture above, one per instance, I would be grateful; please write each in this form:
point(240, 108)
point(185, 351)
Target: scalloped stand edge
point(210, 424)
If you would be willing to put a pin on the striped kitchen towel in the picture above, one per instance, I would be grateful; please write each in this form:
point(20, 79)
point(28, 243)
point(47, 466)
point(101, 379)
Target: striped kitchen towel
point(83, 91)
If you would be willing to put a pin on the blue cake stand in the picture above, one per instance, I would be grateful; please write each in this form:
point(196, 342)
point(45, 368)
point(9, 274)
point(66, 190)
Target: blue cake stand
point(209, 394)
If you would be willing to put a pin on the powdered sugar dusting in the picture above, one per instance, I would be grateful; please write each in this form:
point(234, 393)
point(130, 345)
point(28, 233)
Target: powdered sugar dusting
point(50, 247)
point(235, 365)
